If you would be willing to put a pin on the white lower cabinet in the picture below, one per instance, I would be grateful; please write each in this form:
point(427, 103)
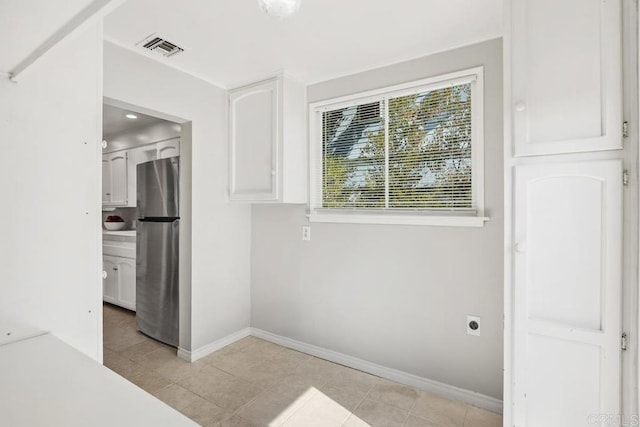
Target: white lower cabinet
point(120, 284)
point(110, 282)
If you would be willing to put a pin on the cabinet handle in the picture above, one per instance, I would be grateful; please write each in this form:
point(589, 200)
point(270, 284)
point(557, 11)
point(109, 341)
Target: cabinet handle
point(115, 269)
point(107, 194)
point(104, 274)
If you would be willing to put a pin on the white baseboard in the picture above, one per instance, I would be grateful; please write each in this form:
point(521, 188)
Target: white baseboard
point(436, 387)
point(192, 356)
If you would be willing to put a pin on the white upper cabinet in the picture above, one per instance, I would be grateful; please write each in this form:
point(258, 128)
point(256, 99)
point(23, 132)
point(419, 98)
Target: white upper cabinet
point(170, 148)
point(119, 170)
point(566, 76)
point(114, 179)
point(267, 142)
point(106, 181)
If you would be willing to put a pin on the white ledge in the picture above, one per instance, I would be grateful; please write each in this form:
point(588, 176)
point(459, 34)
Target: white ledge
point(441, 221)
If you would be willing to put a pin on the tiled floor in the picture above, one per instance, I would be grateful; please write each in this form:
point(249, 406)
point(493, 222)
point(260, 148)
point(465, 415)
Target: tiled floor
point(256, 383)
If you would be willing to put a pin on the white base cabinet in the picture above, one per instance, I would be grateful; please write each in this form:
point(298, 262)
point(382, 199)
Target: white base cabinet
point(120, 283)
point(119, 265)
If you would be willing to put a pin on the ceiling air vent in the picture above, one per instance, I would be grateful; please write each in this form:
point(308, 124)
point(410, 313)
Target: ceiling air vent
point(161, 46)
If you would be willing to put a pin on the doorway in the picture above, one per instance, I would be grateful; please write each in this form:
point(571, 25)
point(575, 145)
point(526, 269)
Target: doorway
point(135, 137)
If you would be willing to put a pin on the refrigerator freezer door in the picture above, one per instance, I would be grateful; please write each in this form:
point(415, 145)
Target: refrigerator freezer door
point(157, 305)
point(157, 188)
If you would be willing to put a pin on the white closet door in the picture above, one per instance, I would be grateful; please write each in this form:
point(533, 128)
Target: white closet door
point(567, 79)
point(568, 257)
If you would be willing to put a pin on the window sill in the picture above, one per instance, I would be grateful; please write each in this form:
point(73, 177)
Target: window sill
point(432, 220)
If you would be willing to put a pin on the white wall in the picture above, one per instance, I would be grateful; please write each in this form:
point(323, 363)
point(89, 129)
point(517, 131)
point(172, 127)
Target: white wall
point(50, 254)
point(397, 296)
point(219, 232)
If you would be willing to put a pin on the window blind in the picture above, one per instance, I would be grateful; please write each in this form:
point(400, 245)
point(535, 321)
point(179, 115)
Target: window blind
point(403, 152)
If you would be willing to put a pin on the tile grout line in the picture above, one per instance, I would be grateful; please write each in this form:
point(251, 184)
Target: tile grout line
point(466, 412)
point(353, 413)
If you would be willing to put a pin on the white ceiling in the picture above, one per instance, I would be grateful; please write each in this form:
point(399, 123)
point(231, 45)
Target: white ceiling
point(114, 121)
point(230, 42)
point(26, 24)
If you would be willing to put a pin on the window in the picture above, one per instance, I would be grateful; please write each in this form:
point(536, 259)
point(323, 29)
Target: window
point(410, 154)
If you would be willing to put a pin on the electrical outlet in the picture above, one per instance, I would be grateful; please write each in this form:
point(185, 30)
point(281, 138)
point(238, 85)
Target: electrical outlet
point(306, 232)
point(473, 325)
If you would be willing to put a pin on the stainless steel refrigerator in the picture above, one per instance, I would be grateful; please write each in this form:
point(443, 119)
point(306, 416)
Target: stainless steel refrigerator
point(157, 231)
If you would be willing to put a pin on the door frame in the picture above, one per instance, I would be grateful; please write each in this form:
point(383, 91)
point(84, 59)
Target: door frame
point(184, 244)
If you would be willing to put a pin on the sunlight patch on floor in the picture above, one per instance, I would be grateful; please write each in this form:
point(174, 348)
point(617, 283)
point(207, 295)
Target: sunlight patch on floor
point(314, 408)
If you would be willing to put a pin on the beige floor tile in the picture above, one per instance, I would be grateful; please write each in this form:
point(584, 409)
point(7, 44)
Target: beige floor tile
point(347, 399)
point(106, 353)
point(266, 348)
point(219, 387)
point(311, 373)
point(274, 406)
point(205, 413)
point(176, 369)
point(355, 421)
point(246, 342)
point(150, 381)
point(123, 367)
point(117, 339)
point(138, 351)
point(265, 373)
point(394, 394)
point(377, 414)
point(350, 379)
point(269, 385)
point(158, 357)
point(477, 417)
point(293, 356)
point(236, 421)
point(440, 411)
point(177, 397)
point(235, 363)
point(318, 411)
point(414, 421)
point(223, 353)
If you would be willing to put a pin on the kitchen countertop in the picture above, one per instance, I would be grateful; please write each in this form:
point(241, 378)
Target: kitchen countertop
point(47, 382)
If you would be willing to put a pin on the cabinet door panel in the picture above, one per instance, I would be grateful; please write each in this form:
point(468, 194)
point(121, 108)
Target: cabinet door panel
point(106, 181)
point(254, 142)
point(567, 87)
point(110, 284)
point(119, 179)
point(168, 149)
point(567, 324)
point(127, 283)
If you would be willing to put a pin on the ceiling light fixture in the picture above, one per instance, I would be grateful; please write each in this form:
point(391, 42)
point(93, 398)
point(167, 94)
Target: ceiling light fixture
point(279, 8)
point(131, 116)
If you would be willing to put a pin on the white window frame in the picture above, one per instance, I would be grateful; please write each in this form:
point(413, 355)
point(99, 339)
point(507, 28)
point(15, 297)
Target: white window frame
point(456, 217)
